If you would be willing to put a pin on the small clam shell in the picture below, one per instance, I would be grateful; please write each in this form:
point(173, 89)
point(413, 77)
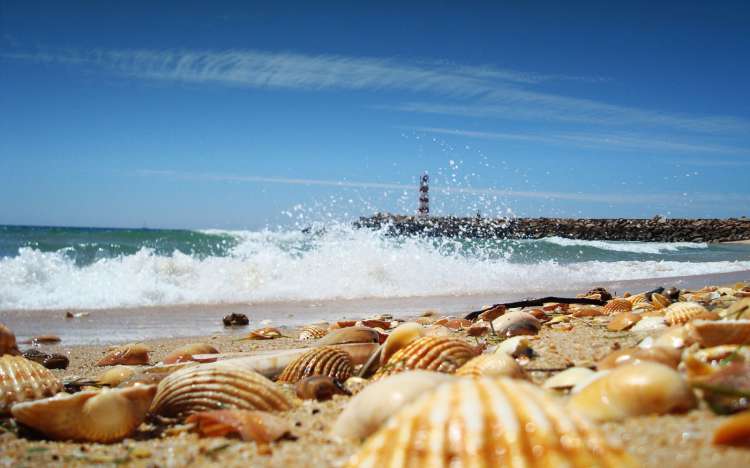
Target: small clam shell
point(133, 354)
point(663, 355)
point(615, 306)
point(738, 310)
point(350, 335)
point(488, 422)
point(268, 333)
point(372, 406)
point(634, 390)
point(659, 301)
point(311, 332)
point(319, 387)
point(649, 323)
point(258, 426)
point(24, 380)
point(204, 388)
point(622, 321)
point(568, 378)
point(683, 312)
point(434, 353)
point(8, 342)
point(675, 337)
point(492, 313)
point(478, 329)
point(734, 430)
point(516, 346)
point(89, 416)
point(399, 338)
point(491, 365)
point(516, 323)
point(710, 333)
point(328, 361)
point(185, 353)
point(115, 376)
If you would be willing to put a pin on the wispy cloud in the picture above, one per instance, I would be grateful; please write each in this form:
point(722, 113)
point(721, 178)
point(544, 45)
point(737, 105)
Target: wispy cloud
point(483, 91)
point(606, 198)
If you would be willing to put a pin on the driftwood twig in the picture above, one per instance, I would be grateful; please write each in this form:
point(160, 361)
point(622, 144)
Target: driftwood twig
point(539, 302)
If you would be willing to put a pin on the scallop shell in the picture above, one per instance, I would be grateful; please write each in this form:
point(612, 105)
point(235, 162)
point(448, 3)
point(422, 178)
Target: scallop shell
point(435, 353)
point(637, 299)
point(488, 422)
point(622, 321)
point(660, 301)
point(568, 378)
point(311, 332)
point(516, 323)
point(8, 342)
point(327, 361)
point(204, 388)
point(491, 365)
point(268, 333)
point(185, 353)
point(664, 355)
point(129, 354)
point(24, 380)
point(402, 336)
point(106, 415)
point(617, 305)
point(633, 390)
point(718, 332)
point(373, 405)
point(258, 426)
point(350, 335)
point(683, 312)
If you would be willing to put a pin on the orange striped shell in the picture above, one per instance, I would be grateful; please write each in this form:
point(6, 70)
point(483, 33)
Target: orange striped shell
point(617, 305)
point(311, 332)
point(24, 380)
point(434, 353)
point(660, 301)
point(637, 299)
point(8, 341)
point(683, 312)
point(327, 360)
point(488, 422)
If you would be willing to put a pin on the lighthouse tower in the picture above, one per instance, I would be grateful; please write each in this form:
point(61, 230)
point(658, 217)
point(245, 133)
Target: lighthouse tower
point(424, 196)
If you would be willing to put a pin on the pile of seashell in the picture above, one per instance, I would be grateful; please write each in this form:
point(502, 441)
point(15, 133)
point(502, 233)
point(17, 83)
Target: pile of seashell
point(429, 392)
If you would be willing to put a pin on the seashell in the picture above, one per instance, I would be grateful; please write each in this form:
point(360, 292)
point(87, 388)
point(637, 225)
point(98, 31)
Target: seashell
point(726, 389)
point(24, 380)
point(516, 346)
point(106, 415)
point(648, 324)
point(434, 353)
point(234, 320)
point(208, 387)
point(130, 354)
point(683, 312)
point(8, 342)
point(453, 323)
point(374, 323)
point(516, 323)
point(319, 387)
point(490, 314)
point(268, 333)
point(734, 430)
point(738, 310)
point(355, 384)
point(258, 426)
point(478, 329)
point(675, 337)
point(312, 332)
point(491, 365)
point(424, 320)
point(633, 390)
point(328, 361)
point(46, 339)
point(115, 376)
point(488, 422)
point(350, 335)
point(672, 294)
point(185, 353)
point(623, 321)
point(710, 333)
point(617, 305)
point(585, 311)
point(343, 324)
point(717, 353)
point(637, 299)
point(372, 406)
point(660, 301)
point(568, 378)
point(643, 307)
point(667, 356)
point(400, 337)
point(602, 294)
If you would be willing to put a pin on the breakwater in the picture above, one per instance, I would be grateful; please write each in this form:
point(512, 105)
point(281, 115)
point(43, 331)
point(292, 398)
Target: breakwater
point(656, 229)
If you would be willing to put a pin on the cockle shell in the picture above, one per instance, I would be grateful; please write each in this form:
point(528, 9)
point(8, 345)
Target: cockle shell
point(372, 406)
point(491, 365)
point(23, 380)
point(204, 388)
point(683, 312)
point(258, 426)
point(617, 305)
point(8, 342)
point(311, 332)
point(350, 335)
point(434, 353)
point(185, 353)
point(319, 387)
point(734, 430)
point(328, 361)
point(129, 354)
point(488, 422)
point(664, 355)
point(399, 338)
point(622, 321)
point(106, 415)
point(267, 333)
point(660, 301)
point(568, 378)
point(633, 390)
point(637, 299)
point(718, 332)
point(516, 323)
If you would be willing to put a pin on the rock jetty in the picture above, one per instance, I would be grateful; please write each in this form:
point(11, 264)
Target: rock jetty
point(656, 229)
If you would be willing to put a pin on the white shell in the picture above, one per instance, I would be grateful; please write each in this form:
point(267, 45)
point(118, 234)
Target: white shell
point(568, 378)
point(648, 324)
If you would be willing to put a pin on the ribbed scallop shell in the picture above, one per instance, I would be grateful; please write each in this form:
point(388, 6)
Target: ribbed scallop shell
point(434, 353)
point(90, 416)
point(617, 305)
point(8, 341)
point(204, 388)
point(683, 312)
point(488, 422)
point(660, 301)
point(491, 365)
point(328, 361)
point(24, 380)
point(637, 299)
point(311, 332)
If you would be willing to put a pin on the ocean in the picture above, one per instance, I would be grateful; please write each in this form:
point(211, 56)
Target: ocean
point(96, 268)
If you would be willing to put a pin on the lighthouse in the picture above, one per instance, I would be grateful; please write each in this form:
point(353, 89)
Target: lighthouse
point(424, 196)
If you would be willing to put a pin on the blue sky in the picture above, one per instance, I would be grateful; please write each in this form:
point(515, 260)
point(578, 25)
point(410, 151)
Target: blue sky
point(232, 115)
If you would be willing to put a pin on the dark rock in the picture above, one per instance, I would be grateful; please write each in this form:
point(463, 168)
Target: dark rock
point(233, 320)
point(50, 361)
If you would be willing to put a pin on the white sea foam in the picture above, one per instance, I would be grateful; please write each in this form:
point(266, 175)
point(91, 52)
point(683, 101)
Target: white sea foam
point(626, 246)
point(268, 266)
